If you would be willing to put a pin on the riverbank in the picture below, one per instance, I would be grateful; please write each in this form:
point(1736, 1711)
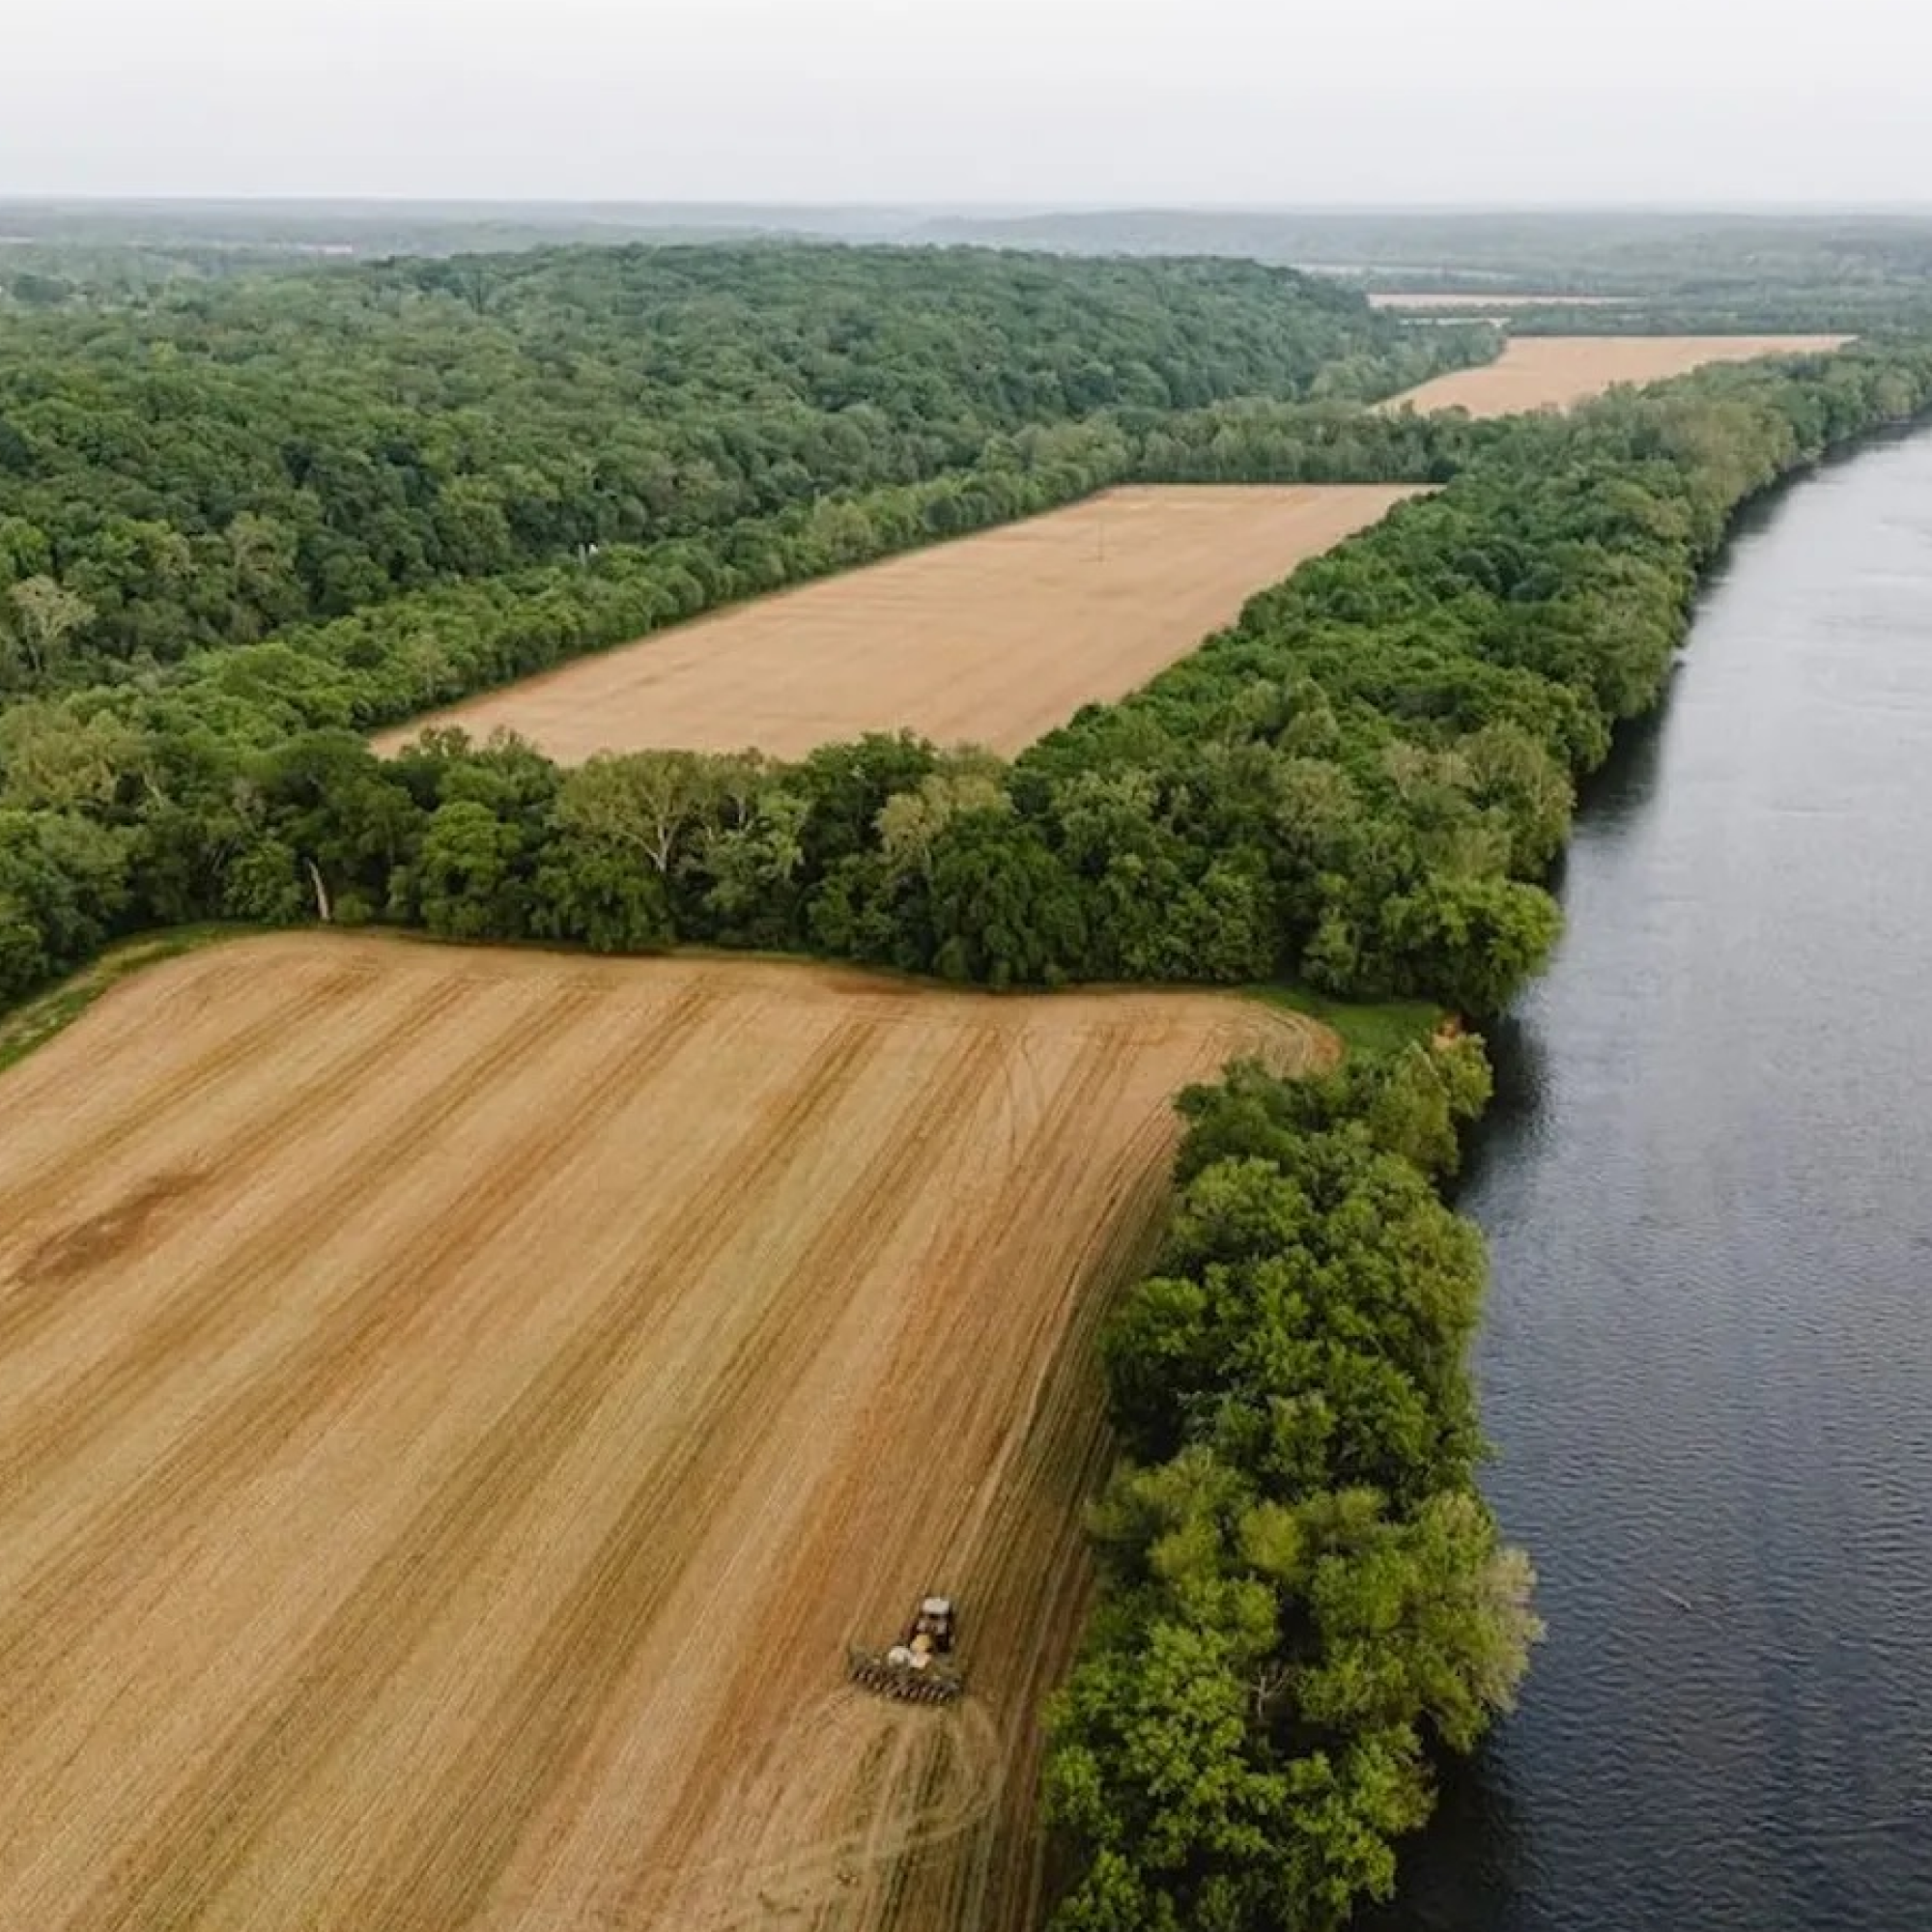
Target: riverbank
point(1181, 1538)
point(1706, 1365)
point(1362, 783)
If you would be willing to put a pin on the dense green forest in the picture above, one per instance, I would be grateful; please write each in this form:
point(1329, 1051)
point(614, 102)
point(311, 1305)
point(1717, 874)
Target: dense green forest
point(389, 661)
point(1687, 270)
point(1672, 271)
point(1303, 1593)
point(1360, 785)
point(226, 460)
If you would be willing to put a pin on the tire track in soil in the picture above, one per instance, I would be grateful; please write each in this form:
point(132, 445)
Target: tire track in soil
point(165, 1000)
point(1024, 1461)
point(207, 1834)
point(1043, 1179)
point(1037, 1586)
point(159, 1109)
point(874, 1874)
point(1030, 1534)
point(805, 1853)
point(365, 1772)
point(929, 1792)
point(1039, 1597)
point(671, 1035)
point(575, 1661)
point(924, 1336)
point(1019, 1546)
point(27, 1316)
point(846, 1249)
point(243, 1429)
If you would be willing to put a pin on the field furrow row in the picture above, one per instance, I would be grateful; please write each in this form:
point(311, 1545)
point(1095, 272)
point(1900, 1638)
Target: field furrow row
point(458, 1510)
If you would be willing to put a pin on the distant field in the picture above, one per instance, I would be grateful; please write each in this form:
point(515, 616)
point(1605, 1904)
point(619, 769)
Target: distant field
point(994, 639)
point(1540, 372)
point(456, 1407)
point(1401, 299)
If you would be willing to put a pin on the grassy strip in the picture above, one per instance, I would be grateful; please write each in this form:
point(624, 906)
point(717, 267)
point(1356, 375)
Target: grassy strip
point(37, 1022)
point(1370, 1028)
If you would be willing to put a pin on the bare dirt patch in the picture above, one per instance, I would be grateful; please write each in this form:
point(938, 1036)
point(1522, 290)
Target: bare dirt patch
point(1546, 372)
point(993, 639)
point(452, 1514)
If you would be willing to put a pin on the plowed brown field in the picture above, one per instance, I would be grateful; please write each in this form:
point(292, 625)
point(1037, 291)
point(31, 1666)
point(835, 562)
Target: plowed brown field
point(1541, 372)
point(993, 639)
point(455, 1407)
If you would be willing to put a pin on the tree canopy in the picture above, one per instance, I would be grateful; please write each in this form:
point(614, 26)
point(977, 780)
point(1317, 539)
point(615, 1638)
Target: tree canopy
point(1361, 783)
point(242, 524)
point(1303, 1594)
point(223, 459)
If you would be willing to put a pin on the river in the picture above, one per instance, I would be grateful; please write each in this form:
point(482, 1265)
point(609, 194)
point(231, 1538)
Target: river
point(1706, 1365)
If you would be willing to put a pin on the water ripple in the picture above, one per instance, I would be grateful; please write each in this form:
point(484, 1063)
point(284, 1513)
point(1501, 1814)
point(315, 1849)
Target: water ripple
point(1708, 1363)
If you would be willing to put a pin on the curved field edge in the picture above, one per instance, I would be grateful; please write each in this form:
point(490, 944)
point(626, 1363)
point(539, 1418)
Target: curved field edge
point(456, 1406)
point(1342, 1026)
point(37, 1020)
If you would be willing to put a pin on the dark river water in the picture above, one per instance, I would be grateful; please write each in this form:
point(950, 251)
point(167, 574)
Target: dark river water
point(1708, 1361)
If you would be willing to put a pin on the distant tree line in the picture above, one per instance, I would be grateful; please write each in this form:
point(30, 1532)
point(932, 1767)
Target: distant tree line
point(1253, 441)
point(393, 660)
point(1303, 1594)
point(1642, 252)
point(1361, 783)
point(1766, 311)
point(220, 461)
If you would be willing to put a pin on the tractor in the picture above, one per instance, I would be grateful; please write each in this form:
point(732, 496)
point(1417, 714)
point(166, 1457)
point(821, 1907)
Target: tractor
point(917, 1669)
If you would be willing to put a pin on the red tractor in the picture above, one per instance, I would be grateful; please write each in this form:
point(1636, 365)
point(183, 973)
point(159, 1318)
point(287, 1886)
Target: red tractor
point(917, 1669)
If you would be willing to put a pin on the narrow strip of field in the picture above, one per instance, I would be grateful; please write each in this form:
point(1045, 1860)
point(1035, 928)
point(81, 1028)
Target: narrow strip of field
point(1426, 299)
point(1543, 372)
point(993, 639)
point(456, 1408)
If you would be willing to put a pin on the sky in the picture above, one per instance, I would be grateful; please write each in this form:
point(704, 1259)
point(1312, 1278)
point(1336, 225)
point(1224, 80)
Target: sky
point(1227, 102)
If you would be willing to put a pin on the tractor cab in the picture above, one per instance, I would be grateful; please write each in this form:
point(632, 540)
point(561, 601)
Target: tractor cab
point(931, 1629)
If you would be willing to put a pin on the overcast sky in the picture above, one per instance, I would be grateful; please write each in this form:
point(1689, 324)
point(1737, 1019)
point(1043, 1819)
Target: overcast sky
point(972, 100)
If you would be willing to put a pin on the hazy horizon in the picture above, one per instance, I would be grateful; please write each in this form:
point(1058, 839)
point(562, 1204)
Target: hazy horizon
point(1225, 104)
point(1904, 210)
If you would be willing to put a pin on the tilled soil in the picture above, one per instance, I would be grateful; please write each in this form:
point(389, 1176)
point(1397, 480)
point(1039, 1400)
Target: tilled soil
point(1546, 372)
point(457, 1406)
point(990, 640)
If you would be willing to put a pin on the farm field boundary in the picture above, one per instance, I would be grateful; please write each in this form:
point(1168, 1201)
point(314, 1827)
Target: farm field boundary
point(1541, 372)
point(1403, 299)
point(992, 640)
point(456, 1407)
